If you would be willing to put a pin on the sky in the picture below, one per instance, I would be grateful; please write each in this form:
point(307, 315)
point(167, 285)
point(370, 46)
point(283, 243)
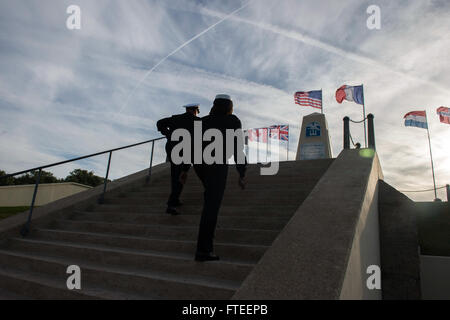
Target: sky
point(66, 93)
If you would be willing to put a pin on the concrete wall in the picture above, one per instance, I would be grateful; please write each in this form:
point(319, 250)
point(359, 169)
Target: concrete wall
point(400, 263)
point(365, 251)
point(325, 249)
point(435, 277)
point(16, 196)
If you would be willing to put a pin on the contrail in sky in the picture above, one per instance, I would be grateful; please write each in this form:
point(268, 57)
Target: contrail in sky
point(294, 35)
point(178, 49)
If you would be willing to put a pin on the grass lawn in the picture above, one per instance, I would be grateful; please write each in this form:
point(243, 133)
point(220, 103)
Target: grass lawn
point(434, 228)
point(6, 212)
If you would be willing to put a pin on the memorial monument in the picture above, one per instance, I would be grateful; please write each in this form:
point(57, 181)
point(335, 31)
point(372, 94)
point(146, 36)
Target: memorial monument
point(314, 141)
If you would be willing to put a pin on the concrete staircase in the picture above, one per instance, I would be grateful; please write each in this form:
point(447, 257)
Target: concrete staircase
point(128, 248)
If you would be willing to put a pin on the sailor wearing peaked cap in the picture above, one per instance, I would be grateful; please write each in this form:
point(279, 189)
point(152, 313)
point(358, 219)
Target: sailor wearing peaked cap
point(192, 106)
point(178, 171)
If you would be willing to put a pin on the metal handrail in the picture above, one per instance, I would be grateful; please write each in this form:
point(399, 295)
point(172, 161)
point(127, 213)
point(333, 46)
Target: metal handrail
point(80, 158)
point(26, 228)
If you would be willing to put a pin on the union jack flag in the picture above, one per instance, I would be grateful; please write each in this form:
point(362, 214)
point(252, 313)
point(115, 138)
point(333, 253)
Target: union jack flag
point(280, 132)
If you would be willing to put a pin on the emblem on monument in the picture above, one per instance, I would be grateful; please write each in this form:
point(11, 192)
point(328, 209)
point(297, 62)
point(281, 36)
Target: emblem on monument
point(313, 129)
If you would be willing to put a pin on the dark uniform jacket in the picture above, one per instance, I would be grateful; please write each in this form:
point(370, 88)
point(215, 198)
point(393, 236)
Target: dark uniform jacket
point(180, 121)
point(223, 122)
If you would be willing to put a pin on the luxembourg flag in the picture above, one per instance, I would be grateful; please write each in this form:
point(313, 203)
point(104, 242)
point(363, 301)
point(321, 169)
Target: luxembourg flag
point(416, 119)
point(350, 93)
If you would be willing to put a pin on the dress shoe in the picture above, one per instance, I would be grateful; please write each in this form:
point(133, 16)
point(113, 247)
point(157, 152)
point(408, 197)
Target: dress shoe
point(178, 204)
point(172, 211)
point(206, 257)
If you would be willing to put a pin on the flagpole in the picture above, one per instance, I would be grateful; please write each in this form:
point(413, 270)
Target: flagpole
point(267, 143)
point(431, 157)
point(257, 146)
point(364, 117)
point(321, 109)
point(287, 153)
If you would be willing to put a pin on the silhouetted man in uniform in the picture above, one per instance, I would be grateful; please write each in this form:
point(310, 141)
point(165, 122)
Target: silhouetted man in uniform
point(178, 171)
point(214, 176)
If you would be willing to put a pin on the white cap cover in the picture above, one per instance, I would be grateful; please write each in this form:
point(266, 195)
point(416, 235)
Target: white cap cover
point(191, 105)
point(223, 96)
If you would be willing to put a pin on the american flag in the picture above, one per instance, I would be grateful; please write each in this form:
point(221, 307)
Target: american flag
point(280, 132)
point(309, 99)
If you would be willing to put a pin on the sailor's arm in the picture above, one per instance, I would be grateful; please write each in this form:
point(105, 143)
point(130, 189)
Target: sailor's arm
point(164, 126)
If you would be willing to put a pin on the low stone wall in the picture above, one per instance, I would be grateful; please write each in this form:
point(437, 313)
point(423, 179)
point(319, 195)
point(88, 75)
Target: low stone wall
point(325, 249)
point(17, 196)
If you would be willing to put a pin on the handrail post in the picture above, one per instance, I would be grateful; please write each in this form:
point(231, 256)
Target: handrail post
point(151, 163)
point(102, 197)
point(371, 132)
point(26, 228)
point(346, 133)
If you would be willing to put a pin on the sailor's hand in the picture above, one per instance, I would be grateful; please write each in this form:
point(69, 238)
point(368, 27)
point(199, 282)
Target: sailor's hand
point(183, 177)
point(242, 182)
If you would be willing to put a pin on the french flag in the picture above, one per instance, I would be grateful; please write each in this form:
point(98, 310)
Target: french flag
point(416, 119)
point(350, 93)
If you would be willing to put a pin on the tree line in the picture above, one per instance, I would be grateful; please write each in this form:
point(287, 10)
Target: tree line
point(78, 175)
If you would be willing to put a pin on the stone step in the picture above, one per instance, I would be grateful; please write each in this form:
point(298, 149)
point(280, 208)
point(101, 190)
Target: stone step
point(40, 286)
point(8, 295)
point(243, 197)
point(160, 262)
point(227, 251)
point(267, 210)
point(238, 236)
point(304, 170)
point(284, 165)
point(250, 191)
point(47, 276)
point(155, 188)
point(255, 181)
point(239, 222)
point(257, 170)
